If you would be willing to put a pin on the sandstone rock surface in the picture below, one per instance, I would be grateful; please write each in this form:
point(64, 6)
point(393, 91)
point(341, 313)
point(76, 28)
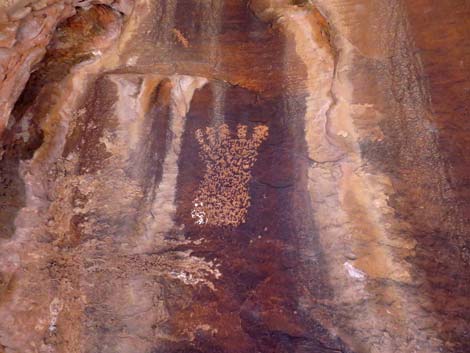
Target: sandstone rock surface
point(234, 176)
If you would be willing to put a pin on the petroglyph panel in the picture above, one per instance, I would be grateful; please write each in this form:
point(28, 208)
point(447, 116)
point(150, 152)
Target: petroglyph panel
point(222, 198)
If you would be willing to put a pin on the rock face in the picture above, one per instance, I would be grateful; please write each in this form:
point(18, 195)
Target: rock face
point(234, 176)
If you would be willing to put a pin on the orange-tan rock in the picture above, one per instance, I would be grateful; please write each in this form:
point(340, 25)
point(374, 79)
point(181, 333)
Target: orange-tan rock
point(233, 176)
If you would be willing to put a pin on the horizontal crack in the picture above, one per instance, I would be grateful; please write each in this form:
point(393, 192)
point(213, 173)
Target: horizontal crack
point(274, 186)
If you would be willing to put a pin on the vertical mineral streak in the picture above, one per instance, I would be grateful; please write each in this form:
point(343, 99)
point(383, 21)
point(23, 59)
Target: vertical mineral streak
point(338, 181)
point(211, 24)
point(163, 208)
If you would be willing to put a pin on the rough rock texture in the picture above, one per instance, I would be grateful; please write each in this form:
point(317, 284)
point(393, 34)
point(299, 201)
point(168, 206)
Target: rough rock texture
point(234, 176)
point(26, 28)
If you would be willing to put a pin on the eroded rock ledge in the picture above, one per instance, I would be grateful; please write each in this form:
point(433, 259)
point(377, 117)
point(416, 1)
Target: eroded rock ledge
point(336, 217)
